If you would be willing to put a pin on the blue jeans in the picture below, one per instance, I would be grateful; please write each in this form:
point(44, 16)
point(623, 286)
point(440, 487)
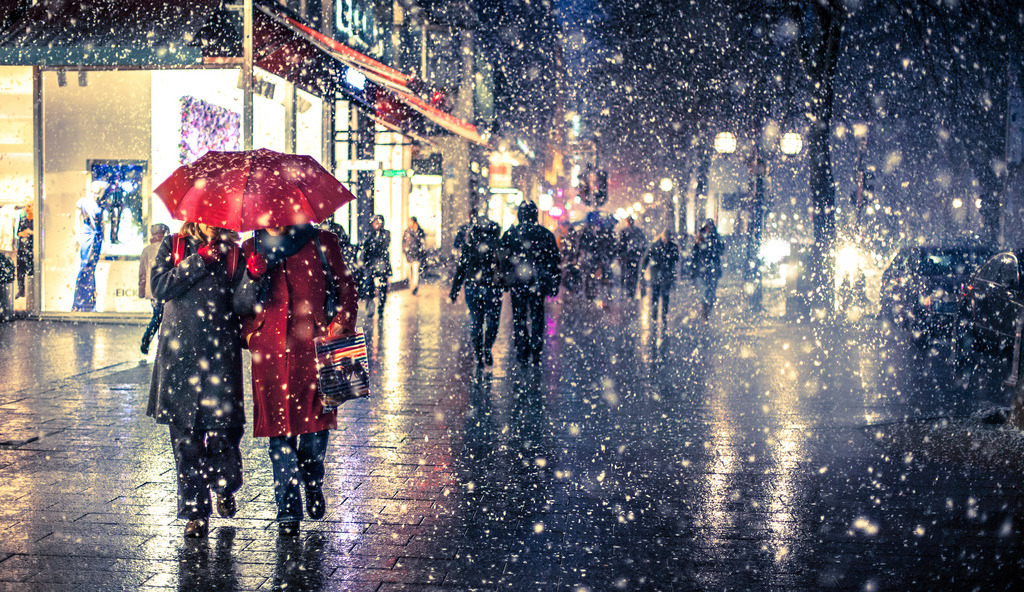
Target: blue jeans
point(296, 459)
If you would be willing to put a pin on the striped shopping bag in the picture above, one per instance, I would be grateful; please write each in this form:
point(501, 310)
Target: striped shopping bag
point(342, 368)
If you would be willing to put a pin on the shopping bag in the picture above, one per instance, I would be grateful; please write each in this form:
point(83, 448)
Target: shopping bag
point(342, 369)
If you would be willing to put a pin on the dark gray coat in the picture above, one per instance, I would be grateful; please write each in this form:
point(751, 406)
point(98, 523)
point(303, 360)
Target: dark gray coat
point(197, 375)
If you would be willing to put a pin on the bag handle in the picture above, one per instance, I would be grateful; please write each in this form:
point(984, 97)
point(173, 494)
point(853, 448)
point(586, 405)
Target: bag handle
point(331, 299)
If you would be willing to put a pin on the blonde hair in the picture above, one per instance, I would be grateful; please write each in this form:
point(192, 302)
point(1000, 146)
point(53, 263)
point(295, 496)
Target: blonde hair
point(192, 230)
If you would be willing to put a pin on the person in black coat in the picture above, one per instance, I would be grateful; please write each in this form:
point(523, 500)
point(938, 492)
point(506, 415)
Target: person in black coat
point(632, 243)
point(531, 272)
point(707, 265)
point(196, 387)
point(663, 257)
point(477, 270)
point(376, 252)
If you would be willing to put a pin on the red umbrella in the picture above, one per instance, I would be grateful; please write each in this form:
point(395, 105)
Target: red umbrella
point(254, 189)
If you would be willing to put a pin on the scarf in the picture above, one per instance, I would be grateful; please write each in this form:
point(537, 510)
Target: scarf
point(278, 248)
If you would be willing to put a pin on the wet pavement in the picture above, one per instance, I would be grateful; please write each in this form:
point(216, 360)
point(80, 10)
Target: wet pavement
point(742, 454)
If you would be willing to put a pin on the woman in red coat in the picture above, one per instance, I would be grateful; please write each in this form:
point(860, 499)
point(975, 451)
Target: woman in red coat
point(281, 300)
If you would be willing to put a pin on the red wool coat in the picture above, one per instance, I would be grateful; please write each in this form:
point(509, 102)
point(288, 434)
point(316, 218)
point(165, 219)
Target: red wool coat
point(280, 333)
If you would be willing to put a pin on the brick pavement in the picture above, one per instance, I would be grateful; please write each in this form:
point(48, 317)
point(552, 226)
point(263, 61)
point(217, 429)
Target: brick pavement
point(753, 455)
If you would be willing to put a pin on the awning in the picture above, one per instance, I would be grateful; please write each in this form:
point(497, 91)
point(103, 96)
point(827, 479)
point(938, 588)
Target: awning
point(387, 78)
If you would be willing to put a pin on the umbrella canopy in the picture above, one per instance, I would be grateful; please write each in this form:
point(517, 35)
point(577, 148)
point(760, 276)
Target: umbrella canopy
point(254, 189)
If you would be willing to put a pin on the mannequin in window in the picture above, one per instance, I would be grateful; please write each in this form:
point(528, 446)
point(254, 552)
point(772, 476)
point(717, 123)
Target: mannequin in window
point(90, 241)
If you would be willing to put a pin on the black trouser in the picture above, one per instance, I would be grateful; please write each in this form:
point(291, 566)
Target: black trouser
point(207, 460)
point(24, 268)
point(630, 275)
point(484, 304)
point(659, 295)
point(376, 286)
point(528, 319)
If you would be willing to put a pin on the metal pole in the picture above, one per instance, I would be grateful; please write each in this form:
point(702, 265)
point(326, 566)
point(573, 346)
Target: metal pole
point(247, 69)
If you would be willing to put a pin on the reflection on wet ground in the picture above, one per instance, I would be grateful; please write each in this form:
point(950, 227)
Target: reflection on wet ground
point(745, 454)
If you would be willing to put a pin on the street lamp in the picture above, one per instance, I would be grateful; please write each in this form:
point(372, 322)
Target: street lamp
point(791, 143)
point(725, 143)
point(666, 184)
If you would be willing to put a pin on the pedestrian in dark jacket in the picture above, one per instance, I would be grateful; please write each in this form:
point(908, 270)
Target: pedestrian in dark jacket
point(412, 248)
point(632, 243)
point(376, 251)
point(531, 272)
point(197, 373)
point(478, 270)
point(282, 300)
point(707, 265)
point(663, 257)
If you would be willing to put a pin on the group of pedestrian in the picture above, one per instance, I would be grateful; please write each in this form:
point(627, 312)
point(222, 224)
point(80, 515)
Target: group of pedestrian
point(705, 267)
point(273, 294)
point(525, 262)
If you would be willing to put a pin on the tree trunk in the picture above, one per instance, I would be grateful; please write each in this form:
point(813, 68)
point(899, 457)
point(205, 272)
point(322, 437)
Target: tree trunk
point(823, 55)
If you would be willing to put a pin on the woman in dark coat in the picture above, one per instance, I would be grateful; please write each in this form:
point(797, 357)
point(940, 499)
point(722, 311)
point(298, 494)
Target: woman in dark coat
point(281, 299)
point(663, 256)
point(707, 266)
point(197, 375)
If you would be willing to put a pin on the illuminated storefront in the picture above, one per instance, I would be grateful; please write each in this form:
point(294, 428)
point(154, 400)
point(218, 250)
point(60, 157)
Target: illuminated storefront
point(94, 128)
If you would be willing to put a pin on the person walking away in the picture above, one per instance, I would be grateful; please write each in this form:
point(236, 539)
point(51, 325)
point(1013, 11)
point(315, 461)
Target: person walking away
point(26, 240)
point(147, 259)
point(663, 256)
point(632, 244)
point(531, 273)
point(477, 270)
point(296, 287)
point(376, 251)
point(412, 248)
point(707, 266)
point(196, 387)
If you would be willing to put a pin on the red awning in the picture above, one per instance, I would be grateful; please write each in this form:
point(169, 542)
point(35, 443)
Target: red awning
point(447, 121)
point(389, 79)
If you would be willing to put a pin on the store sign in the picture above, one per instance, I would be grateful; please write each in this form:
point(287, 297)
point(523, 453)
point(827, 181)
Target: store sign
point(396, 173)
point(500, 174)
point(354, 21)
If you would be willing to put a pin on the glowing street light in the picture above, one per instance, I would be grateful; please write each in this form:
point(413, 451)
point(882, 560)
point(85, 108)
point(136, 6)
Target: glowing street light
point(791, 143)
point(648, 198)
point(725, 143)
point(666, 184)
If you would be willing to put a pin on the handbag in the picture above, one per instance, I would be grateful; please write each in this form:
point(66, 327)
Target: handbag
point(342, 369)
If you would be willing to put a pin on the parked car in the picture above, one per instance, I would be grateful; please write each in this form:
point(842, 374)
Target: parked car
point(991, 302)
point(920, 287)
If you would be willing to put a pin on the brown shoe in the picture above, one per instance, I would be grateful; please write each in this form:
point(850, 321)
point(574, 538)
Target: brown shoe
point(197, 529)
point(226, 505)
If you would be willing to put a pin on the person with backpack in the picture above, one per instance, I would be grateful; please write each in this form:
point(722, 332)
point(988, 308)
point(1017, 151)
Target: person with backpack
point(296, 287)
point(531, 273)
point(477, 270)
point(196, 387)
